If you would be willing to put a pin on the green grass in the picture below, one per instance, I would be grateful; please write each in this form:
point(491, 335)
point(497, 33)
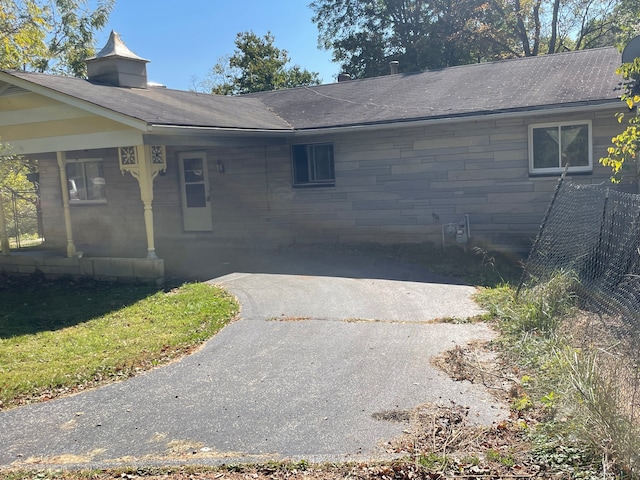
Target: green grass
point(26, 241)
point(573, 384)
point(58, 337)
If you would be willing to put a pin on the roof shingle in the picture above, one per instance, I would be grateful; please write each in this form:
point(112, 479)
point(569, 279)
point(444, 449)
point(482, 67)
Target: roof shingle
point(568, 79)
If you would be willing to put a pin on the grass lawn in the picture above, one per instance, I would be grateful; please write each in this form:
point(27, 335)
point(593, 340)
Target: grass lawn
point(60, 337)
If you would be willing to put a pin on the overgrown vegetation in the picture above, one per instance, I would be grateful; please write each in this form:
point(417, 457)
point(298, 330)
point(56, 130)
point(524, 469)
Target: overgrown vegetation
point(58, 337)
point(624, 149)
point(584, 387)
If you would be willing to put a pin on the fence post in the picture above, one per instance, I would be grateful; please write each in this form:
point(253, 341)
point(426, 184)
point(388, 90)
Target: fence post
point(4, 238)
point(525, 270)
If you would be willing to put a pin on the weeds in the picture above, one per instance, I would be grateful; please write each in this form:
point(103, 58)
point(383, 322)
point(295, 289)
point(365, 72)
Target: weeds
point(599, 399)
point(585, 425)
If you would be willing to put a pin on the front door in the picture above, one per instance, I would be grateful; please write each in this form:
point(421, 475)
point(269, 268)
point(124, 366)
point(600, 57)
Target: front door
point(194, 183)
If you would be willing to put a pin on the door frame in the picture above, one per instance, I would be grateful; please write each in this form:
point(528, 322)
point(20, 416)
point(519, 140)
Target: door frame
point(195, 219)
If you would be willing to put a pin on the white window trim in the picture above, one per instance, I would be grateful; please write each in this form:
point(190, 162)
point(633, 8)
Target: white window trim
point(555, 170)
point(79, 201)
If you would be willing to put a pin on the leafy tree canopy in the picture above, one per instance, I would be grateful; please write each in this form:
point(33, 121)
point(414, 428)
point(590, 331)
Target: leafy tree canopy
point(256, 65)
point(626, 145)
point(364, 35)
point(13, 170)
point(50, 35)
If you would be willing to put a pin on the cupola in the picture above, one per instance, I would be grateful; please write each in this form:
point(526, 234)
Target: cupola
point(117, 66)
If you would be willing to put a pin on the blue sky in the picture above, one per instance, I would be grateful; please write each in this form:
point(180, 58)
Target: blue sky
point(183, 39)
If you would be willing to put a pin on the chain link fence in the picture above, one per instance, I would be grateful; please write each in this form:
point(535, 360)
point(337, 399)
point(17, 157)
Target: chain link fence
point(591, 236)
point(23, 217)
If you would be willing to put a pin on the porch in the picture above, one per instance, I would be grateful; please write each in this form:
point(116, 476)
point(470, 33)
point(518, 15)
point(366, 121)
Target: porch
point(54, 264)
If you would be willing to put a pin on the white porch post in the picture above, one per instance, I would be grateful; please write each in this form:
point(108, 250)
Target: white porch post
point(144, 162)
point(4, 238)
point(145, 179)
point(71, 248)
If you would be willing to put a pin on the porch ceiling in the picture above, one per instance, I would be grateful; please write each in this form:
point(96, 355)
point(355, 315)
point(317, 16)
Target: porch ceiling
point(34, 123)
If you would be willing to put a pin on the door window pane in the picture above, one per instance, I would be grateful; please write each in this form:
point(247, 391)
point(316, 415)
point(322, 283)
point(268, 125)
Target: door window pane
point(193, 170)
point(195, 195)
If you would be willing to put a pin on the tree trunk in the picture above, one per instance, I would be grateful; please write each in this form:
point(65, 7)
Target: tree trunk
point(554, 27)
point(522, 31)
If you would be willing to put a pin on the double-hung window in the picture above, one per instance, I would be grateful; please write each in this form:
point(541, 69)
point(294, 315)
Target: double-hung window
point(313, 164)
point(553, 145)
point(86, 181)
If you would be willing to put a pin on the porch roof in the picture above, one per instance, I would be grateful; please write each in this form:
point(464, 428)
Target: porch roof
point(163, 106)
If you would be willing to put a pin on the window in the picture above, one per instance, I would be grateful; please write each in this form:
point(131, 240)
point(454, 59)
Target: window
point(553, 145)
point(313, 164)
point(86, 180)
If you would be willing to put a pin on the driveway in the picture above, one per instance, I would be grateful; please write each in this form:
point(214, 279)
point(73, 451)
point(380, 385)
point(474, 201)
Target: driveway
point(301, 374)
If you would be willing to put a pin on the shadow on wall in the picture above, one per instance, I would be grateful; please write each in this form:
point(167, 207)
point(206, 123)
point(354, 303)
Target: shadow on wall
point(203, 260)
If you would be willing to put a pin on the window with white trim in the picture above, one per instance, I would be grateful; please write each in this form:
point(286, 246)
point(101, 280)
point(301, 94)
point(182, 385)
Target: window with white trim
point(86, 181)
point(313, 164)
point(553, 145)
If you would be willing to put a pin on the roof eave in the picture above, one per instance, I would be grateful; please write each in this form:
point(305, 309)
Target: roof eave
point(577, 107)
point(75, 102)
point(187, 130)
point(194, 130)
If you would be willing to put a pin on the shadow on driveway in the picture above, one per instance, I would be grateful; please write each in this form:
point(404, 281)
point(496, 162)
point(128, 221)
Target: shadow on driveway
point(204, 261)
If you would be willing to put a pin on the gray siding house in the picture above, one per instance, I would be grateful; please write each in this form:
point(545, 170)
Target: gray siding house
point(137, 171)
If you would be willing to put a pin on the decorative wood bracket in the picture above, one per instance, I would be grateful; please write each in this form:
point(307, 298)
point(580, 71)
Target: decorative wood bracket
point(144, 162)
point(153, 159)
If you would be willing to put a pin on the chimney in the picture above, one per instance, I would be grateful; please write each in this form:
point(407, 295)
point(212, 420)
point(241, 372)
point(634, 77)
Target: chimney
point(344, 77)
point(117, 66)
point(393, 66)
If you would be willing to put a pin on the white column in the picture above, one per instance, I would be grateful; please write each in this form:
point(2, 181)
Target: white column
point(144, 162)
point(71, 248)
point(145, 179)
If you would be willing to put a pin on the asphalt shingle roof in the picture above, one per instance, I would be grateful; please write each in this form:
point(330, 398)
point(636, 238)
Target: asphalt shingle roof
point(573, 78)
point(163, 106)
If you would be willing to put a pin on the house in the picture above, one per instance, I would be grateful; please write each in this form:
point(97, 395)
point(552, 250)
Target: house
point(134, 171)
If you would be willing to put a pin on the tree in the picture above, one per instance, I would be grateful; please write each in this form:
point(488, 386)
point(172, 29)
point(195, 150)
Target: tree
point(365, 34)
point(256, 65)
point(50, 35)
point(15, 197)
point(626, 145)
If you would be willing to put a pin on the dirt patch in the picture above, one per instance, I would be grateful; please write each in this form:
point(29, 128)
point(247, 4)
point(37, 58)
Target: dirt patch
point(284, 318)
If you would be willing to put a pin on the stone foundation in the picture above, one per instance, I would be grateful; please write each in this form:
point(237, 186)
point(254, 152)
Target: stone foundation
point(141, 270)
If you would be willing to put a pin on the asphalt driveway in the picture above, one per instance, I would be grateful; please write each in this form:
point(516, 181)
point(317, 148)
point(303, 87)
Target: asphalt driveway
point(300, 375)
